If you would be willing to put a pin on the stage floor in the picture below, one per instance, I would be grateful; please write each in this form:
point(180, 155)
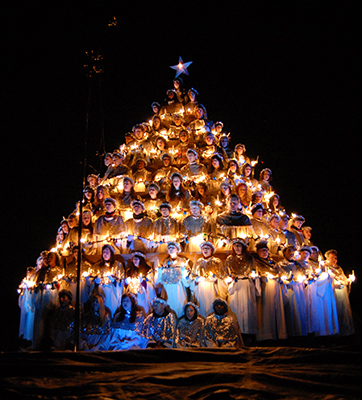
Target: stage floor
point(249, 373)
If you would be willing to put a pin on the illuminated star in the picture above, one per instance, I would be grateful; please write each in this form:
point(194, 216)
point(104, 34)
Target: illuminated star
point(181, 67)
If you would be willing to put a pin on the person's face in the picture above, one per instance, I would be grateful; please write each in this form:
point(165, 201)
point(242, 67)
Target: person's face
point(238, 248)
point(199, 113)
point(183, 137)
point(158, 308)
point(64, 300)
point(190, 312)
point(263, 252)
point(166, 161)
point(298, 224)
point(241, 190)
point(307, 233)
point(138, 133)
point(332, 259)
point(109, 207)
point(140, 165)
point(258, 198)
point(220, 308)
point(177, 121)
point(95, 304)
point(192, 96)
point(239, 150)
point(165, 212)
point(215, 163)
point(160, 144)
point(274, 223)
point(65, 228)
point(106, 254)
point(127, 185)
point(195, 210)
point(100, 194)
point(289, 253)
point(137, 209)
point(88, 194)
point(136, 261)
point(233, 205)
point(209, 140)
point(155, 109)
point(191, 157)
point(266, 176)
point(51, 260)
point(117, 160)
point(107, 161)
point(172, 250)
point(225, 189)
point(304, 255)
point(247, 171)
point(206, 251)
point(233, 167)
point(224, 142)
point(92, 181)
point(127, 303)
point(152, 192)
point(258, 214)
point(86, 218)
point(201, 190)
point(176, 84)
point(176, 182)
point(283, 223)
point(314, 255)
point(156, 123)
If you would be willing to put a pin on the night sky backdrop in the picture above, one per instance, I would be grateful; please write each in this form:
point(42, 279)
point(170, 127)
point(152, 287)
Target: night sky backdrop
point(284, 80)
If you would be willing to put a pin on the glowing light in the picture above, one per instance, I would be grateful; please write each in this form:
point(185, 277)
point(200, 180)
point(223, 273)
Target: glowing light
point(181, 67)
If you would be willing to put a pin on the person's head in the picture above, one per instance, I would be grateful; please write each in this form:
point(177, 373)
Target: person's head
point(65, 297)
point(110, 205)
point(173, 249)
point(224, 141)
point(165, 209)
point(117, 158)
point(191, 311)
point(196, 208)
point(199, 113)
point(304, 253)
point(247, 170)
point(108, 159)
point(283, 223)
point(166, 160)
point(307, 232)
point(241, 190)
point(177, 120)
point(257, 211)
point(137, 207)
point(207, 249)
point(225, 188)
point(176, 180)
point(140, 164)
point(274, 221)
point(128, 302)
point(220, 307)
point(239, 246)
point(138, 132)
point(202, 188)
point(314, 255)
point(191, 155)
point(53, 259)
point(86, 218)
point(158, 306)
point(298, 221)
point(156, 107)
point(88, 193)
point(192, 93)
point(209, 138)
point(233, 203)
point(265, 174)
point(216, 161)
point(331, 257)
point(161, 143)
point(153, 190)
point(289, 252)
point(137, 258)
point(257, 197)
point(184, 136)
point(239, 149)
point(233, 166)
point(108, 253)
point(262, 249)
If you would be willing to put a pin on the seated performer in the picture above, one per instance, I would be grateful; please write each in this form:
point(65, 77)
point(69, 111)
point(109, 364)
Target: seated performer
point(208, 278)
point(190, 328)
point(96, 325)
point(159, 327)
point(127, 326)
point(221, 328)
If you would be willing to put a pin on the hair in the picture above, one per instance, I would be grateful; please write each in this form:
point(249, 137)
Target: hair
point(112, 259)
point(171, 194)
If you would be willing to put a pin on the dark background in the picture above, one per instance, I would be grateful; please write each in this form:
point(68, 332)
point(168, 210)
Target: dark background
point(284, 80)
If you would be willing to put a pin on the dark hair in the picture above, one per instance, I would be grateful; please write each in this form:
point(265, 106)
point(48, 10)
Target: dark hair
point(120, 316)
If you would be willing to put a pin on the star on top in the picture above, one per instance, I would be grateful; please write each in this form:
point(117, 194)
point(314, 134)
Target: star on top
point(181, 67)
